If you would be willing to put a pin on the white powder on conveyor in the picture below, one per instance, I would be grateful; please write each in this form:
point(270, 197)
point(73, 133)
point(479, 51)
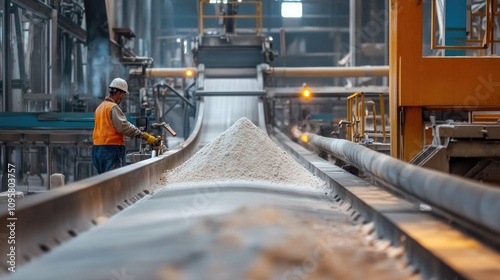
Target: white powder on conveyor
point(243, 152)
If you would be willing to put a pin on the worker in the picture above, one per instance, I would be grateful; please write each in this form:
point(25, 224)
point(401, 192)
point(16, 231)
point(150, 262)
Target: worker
point(110, 129)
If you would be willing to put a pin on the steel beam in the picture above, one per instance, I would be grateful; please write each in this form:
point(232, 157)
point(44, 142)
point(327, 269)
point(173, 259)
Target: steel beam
point(72, 28)
point(230, 72)
point(292, 92)
point(180, 96)
point(40, 9)
point(19, 45)
point(231, 93)
point(328, 72)
point(37, 7)
point(276, 30)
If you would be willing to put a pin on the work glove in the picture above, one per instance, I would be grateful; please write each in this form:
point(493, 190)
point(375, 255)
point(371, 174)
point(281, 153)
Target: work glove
point(151, 139)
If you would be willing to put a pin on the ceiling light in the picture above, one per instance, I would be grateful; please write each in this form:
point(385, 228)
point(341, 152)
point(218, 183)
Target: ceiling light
point(291, 9)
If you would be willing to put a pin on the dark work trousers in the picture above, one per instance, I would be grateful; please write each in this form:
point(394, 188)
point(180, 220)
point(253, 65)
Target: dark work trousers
point(108, 157)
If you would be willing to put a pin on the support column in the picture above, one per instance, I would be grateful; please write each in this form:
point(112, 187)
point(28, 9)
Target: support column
point(412, 127)
point(393, 81)
point(352, 31)
point(49, 165)
point(53, 61)
point(6, 85)
point(405, 63)
point(6, 53)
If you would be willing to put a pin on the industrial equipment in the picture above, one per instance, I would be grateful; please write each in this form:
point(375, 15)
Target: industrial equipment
point(177, 229)
point(468, 150)
point(427, 76)
point(166, 126)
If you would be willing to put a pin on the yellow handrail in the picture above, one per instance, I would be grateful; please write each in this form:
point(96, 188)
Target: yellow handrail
point(356, 106)
point(258, 15)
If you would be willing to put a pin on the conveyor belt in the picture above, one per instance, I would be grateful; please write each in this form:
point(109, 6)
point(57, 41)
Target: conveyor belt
point(223, 111)
point(193, 230)
point(190, 231)
point(226, 231)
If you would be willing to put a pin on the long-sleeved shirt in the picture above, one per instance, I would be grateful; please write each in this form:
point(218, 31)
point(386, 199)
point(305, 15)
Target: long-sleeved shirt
point(120, 122)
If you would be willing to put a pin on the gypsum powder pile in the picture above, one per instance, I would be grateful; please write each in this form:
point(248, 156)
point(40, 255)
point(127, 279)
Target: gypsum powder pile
point(242, 153)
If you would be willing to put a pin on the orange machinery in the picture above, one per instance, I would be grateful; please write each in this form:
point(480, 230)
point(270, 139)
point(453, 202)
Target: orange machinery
point(419, 83)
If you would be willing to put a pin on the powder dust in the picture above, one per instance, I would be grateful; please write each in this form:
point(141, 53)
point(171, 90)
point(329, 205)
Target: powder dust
point(243, 152)
point(268, 242)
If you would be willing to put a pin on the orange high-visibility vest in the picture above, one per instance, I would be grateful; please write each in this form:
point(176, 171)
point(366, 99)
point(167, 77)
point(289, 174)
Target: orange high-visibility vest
point(104, 131)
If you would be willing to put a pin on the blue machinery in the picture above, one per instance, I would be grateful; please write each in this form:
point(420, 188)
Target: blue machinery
point(46, 121)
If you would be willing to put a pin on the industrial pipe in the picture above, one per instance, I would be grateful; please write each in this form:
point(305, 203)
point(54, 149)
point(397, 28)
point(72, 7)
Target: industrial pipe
point(361, 71)
point(230, 72)
point(180, 96)
point(162, 72)
point(476, 202)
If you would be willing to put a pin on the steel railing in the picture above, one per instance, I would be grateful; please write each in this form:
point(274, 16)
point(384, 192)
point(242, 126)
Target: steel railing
point(488, 40)
point(257, 16)
point(356, 116)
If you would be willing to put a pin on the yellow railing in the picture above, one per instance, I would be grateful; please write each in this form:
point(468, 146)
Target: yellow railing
point(356, 117)
point(202, 4)
point(488, 39)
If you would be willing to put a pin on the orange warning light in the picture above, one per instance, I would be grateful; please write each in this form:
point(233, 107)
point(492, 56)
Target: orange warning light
point(306, 91)
point(189, 73)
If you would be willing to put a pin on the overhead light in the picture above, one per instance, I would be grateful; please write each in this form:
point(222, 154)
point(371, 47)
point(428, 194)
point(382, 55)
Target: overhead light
point(306, 91)
point(291, 9)
point(221, 1)
point(189, 73)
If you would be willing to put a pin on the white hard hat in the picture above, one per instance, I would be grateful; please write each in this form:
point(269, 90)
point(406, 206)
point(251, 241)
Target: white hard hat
point(120, 84)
